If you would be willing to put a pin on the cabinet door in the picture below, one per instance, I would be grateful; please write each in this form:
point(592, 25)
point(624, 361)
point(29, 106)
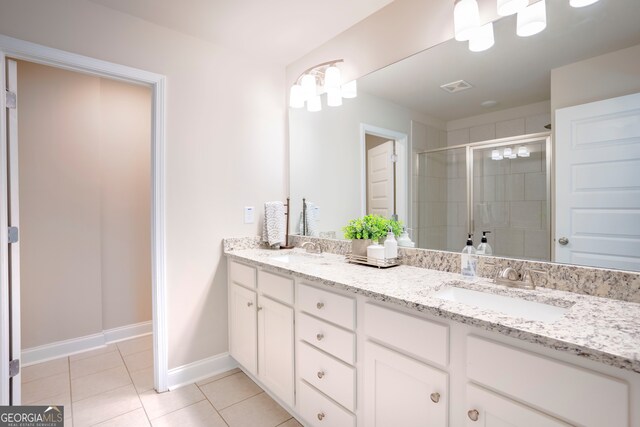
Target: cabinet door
point(487, 409)
point(243, 333)
point(275, 348)
point(400, 391)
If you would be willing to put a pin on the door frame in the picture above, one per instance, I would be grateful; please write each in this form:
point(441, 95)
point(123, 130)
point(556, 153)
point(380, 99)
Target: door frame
point(402, 176)
point(32, 52)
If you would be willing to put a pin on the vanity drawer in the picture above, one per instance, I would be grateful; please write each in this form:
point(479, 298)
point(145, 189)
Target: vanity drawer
point(242, 274)
point(319, 411)
point(330, 338)
point(578, 395)
point(326, 305)
point(416, 336)
point(278, 287)
point(334, 378)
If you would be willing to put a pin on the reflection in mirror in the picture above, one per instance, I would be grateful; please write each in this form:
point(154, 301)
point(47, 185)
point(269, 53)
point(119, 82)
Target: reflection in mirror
point(536, 141)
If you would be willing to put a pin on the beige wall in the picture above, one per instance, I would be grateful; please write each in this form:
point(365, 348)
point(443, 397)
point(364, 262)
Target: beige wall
point(225, 146)
point(594, 79)
point(85, 204)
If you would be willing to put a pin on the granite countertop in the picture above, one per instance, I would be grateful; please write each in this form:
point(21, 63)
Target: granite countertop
point(600, 329)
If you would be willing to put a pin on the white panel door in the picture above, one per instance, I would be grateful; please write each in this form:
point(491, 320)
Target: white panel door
point(400, 391)
point(243, 327)
point(380, 180)
point(275, 348)
point(487, 409)
point(598, 184)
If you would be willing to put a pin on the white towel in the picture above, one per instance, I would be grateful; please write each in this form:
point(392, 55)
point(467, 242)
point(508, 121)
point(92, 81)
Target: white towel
point(312, 214)
point(274, 224)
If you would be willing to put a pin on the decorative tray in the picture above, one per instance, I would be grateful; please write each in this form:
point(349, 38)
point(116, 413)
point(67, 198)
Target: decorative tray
point(380, 263)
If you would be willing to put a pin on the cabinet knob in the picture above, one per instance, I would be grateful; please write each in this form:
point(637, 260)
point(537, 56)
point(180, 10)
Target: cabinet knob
point(320, 374)
point(320, 415)
point(473, 414)
point(435, 397)
point(319, 337)
point(320, 305)
point(249, 304)
point(259, 308)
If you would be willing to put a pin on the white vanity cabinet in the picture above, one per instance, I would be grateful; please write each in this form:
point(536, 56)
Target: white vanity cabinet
point(261, 327)
point(398, 388)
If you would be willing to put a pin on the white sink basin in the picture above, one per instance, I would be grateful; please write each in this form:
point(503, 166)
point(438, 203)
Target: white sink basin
point(516, 307)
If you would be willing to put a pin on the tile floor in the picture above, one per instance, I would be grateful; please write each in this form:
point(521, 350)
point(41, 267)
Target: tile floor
point(113, 386)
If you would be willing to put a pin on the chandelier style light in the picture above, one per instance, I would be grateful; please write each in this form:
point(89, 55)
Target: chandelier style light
point(318, 80)
point(531, 20)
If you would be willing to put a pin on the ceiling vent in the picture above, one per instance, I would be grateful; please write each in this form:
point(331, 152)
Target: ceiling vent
point(458, 86)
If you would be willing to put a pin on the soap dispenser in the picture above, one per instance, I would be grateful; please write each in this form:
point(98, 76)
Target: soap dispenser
point(404, 240)
point(484, 248)
point(390, 245)
point(469, 260)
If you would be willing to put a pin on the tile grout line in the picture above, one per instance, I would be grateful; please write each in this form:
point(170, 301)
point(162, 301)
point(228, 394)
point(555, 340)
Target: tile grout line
point(134, 386)
point(211, 403)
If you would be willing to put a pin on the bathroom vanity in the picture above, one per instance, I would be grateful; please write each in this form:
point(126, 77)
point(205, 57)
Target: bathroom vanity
point(347, 345)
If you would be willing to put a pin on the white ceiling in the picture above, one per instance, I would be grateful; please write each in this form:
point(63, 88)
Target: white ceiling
point(281, 31)
point(516, 71)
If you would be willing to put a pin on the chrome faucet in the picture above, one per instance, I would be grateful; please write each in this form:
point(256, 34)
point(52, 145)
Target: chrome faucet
point(511, 278)
point(312, 247)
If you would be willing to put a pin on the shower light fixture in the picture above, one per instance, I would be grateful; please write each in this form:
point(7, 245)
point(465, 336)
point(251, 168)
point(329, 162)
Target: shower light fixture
point(323, 78)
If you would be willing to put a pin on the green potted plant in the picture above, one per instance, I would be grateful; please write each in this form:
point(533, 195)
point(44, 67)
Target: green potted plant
point(363, 231)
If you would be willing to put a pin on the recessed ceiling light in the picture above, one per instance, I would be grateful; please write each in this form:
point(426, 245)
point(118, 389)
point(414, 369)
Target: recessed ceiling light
point(489, 104)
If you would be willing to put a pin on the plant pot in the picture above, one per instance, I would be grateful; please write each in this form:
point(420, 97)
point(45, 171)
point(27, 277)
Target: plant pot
point(359, 246)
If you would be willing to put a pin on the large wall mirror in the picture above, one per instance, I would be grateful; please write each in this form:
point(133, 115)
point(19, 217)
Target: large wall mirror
point(536, 141)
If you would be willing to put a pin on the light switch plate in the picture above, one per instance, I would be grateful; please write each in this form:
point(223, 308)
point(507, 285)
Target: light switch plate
point(249, 214)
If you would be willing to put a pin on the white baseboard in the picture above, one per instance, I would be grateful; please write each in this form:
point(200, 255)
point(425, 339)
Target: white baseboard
point(43, 353)
point(199, 370)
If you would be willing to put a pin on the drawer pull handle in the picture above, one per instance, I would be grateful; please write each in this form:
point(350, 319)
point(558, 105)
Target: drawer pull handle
point(320, 374)
point(320, 415)
point(435, 397)
point(473, 414)
point(319, 337)
point(249, 304)
point(320, 305)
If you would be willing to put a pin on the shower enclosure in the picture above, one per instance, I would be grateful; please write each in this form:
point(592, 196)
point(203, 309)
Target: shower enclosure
point(500, 186)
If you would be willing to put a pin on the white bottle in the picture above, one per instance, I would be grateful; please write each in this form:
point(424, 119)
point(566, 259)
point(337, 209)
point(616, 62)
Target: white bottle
point(390, 246)
point(404, 240)
point(375, 252)
point(484, 248)
point(469, 260)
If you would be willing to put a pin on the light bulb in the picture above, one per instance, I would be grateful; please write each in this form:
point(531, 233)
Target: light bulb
point(482, 39)
point(532, 20)
point(332, 78)
point(466, 19)
point(523, 151)
point(350, 89)
point(314, 104)
point(581, 3)
point(309, 89)
point(296, 97)
point(509, 7)
point(334, 97)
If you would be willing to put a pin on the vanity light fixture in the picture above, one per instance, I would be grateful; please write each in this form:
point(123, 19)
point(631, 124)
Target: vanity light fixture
point(322, 78)
point(523, 151)
point(581, 3)
point(509, 7)
point(532, 19)
point(482, 39)
point(466, 19)
point(495, 155)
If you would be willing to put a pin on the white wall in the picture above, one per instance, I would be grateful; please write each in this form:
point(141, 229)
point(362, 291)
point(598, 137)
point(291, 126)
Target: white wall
point(84, 162)
point(327, 147)
point(225, 146)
